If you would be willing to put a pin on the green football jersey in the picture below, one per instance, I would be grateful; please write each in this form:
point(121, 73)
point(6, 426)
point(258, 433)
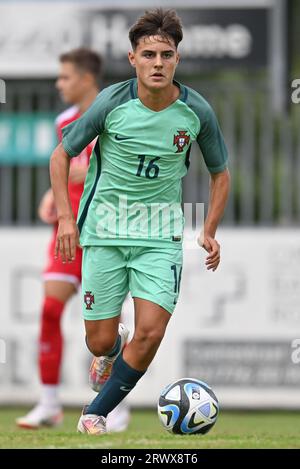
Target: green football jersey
point(132, 193)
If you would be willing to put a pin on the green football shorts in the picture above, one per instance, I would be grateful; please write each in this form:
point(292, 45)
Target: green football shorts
point(109, 272)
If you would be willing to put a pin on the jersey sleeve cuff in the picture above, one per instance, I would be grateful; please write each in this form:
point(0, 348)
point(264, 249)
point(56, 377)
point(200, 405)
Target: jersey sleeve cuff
point(68, 149)
point(217, 169)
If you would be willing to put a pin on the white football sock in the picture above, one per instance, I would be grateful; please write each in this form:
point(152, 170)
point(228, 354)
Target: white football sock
point(49, 397)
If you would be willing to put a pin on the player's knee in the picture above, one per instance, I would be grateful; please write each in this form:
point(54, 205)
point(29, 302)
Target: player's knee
point(149, 338)
point(99, 347)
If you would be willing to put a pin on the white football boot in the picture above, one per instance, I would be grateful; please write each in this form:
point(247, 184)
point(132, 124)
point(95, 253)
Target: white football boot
point(91, 424)
point(41, 416)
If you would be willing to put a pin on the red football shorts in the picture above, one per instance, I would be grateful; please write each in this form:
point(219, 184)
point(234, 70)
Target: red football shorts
point(56, 270)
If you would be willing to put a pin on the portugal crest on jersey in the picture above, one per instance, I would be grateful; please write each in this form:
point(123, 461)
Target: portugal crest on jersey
point(89, 299)
point(181, 140)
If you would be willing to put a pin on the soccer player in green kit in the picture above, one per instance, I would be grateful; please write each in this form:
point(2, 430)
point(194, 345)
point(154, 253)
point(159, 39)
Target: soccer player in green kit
point(130, 218)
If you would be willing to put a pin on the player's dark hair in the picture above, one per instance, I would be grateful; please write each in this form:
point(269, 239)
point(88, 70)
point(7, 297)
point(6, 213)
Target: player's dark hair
point(157, 22)
point(85, 60)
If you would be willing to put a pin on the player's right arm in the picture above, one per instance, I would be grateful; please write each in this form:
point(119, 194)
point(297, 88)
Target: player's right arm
point(76, 136)
point(67, 234)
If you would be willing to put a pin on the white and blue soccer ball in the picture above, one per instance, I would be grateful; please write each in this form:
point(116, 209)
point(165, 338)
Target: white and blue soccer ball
point(188, 406)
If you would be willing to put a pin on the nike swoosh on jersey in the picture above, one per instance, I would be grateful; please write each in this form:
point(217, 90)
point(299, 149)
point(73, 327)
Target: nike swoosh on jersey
point(120, 137)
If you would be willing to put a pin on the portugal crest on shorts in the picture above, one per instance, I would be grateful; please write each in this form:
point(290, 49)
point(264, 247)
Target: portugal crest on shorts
point(181, 140)
point(89, 299)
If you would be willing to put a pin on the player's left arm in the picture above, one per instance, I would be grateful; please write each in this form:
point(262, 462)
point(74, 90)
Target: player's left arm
point(218, 196)
point(213, 148)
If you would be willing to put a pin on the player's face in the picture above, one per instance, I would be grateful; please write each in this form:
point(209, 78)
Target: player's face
point(70, 83)
point(155, 60)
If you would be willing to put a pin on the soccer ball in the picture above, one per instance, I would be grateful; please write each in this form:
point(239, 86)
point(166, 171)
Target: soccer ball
point(188, 406)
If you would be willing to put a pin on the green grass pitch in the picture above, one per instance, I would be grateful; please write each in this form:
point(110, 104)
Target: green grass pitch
point(232, 430)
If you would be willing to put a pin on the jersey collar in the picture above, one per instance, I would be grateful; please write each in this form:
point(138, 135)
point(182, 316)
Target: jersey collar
point(182, 96)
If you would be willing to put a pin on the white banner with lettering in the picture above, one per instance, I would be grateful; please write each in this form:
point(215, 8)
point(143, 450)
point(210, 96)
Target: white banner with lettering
point(237, 328)
point(34, 34)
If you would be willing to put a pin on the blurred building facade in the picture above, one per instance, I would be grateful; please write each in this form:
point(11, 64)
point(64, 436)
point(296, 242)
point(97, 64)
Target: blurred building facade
point(234, 53)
